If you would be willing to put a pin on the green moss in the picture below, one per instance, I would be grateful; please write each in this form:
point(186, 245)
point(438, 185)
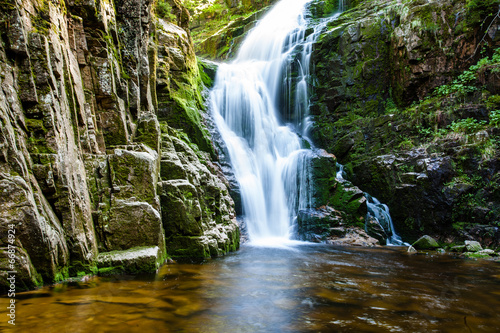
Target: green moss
point(62, 274)
point(77, 268)
point(474, 255)
point(105, 271)
point(187, 247)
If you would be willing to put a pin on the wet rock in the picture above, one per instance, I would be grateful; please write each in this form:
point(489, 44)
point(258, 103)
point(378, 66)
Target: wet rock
point(318, 224)
point(473, 246)
point(489, 252)
point(375, 230)
point(458, 248)
point(411, 249)
point(354, 237)
point(475, 255)
point(425, 243)
point(132, 261)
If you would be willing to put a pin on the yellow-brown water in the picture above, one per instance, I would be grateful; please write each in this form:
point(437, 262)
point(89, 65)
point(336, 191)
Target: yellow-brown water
point(308, 288)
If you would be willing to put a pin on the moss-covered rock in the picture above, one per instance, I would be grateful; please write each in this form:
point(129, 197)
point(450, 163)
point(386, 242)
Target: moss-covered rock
point(408, 115)
point(197, 212)
point(80, 140)
point(425, 243)
point(132, 261)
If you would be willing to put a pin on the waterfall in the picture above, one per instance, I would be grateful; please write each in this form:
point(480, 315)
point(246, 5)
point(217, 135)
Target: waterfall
point(380, 212)
point(377, 211)
point(260, 104)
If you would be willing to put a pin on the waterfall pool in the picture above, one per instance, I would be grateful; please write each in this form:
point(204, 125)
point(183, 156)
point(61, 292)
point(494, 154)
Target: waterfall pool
point(296, 288)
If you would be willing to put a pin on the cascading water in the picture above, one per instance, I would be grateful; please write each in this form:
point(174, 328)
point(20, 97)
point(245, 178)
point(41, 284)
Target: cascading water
point(251, 98)
point(379, 212)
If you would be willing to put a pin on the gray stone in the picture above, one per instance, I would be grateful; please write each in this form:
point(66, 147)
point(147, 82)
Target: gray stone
point(473, 246)
point(489, 252)
point(134, 260)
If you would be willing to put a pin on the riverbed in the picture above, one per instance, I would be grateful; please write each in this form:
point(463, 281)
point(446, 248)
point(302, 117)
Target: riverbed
point(294, 288)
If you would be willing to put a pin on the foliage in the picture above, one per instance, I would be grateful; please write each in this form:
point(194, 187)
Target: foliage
point(463, 85)
point(164, 10)
point(390, 106)
point(467, 126)
point(493, 101)
point(495, 118)
point(424, 131)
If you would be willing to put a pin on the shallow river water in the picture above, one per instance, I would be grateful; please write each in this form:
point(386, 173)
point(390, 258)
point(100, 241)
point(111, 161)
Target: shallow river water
point(302, 288)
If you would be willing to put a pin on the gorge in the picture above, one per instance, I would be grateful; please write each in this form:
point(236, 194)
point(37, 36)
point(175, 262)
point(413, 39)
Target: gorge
point(138, 131)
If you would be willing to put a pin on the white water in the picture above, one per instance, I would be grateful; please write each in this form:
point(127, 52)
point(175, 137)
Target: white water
point(381, 213)
point(268, 157)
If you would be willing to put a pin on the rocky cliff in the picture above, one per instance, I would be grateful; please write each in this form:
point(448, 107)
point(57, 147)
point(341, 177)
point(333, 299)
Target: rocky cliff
point(406, 97)
point(105, 162)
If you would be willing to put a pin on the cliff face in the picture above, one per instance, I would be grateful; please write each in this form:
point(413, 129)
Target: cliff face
point(105, 162)
point(406, 98)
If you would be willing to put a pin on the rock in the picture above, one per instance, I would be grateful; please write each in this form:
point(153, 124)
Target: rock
point(197, 212)
point(458, 248)
point(475, 255)
point(131, 261)
point(82, 85)
point(425, 243)
point(489, 252)
point(473, 246)
point(375, 230)
point(341, 195)
point(354, 237)
point(359, 113)
point(318, 224)
point(134, 172)
point(132, 224)
point(411, 249)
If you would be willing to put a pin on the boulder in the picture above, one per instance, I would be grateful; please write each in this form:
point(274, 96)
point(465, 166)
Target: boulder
point(132, 261)
point(473, 246)
point(425, 243)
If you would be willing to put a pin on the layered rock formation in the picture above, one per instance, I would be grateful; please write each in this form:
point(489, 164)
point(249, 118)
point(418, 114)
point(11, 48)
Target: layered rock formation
point(103, 147)
point(399, 104)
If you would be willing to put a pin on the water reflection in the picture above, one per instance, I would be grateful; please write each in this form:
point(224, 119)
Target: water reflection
point(307, 288)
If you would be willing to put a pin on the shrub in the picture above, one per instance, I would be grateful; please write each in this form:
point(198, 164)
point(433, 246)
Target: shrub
point(495, 118)
point(467, 126)
point(164, 10)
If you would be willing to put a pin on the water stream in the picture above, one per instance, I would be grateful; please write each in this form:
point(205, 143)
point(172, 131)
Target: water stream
point(306, 288)
point(260, 104)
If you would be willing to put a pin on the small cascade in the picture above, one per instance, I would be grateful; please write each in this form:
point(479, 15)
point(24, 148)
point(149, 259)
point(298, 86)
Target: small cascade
point(380, 212)
point(340, 171)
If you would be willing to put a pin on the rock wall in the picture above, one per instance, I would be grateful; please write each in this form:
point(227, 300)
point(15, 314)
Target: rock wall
point(89, 167)
point(378, 67)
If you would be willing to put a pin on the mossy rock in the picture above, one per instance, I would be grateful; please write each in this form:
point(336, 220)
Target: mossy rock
point(188, 247)
point(425, 243)
point(132, 261)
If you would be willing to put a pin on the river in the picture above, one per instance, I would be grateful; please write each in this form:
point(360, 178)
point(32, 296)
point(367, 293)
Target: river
point(295, 288)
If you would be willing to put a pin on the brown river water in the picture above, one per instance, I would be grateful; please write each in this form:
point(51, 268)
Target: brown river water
point(304, 288)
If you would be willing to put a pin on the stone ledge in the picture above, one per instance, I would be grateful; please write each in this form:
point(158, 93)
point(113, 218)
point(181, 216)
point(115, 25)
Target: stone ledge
point(133, 261)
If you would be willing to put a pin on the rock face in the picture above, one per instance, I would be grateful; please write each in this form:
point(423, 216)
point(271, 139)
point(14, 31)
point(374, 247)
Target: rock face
point(88, 164)
point(336, 203)
point(379, 106)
